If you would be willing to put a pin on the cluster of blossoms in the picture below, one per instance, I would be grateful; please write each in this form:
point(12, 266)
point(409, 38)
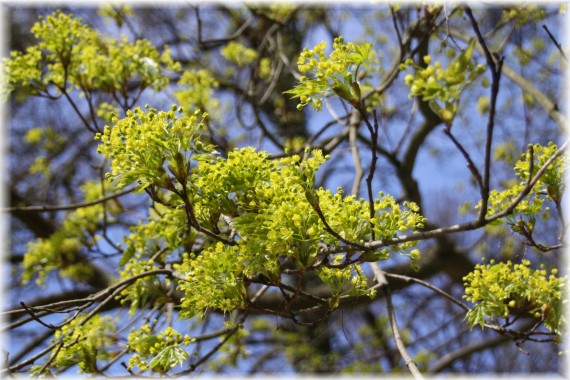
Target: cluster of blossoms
point(500, 289)
point(441, 86)
point(335, 72)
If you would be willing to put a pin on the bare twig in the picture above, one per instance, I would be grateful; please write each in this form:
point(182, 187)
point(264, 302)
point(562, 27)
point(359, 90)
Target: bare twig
point(215, 42)
point(352, 138)
point(496, 68)
point(398, 339)
point(374, 138)
point(380, 278)
point(66, 207)
point(429, 286)
point(470, 163)
point(556, 43)
point(30, 360)
point(446, 360)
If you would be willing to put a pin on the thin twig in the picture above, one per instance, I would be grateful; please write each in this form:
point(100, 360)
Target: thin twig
point(556, 43)
point(496, 68)
point(30, 360)
point(470, 163)
point(215, 42)
point(374, 138)
point(429, 286)
point(73, 206)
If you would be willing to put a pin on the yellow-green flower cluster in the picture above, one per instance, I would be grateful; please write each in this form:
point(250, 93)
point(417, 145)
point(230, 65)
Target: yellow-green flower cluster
point(158, 353)
point(552, 181)
point(164, 229)
point(23, 71)
point(71, 53)
point(523, 15)
point(346, 281)
point(116, 12)
point(214, 279)
point(549, 188)
point(145, 290)
point(143, 143)
point(269, 206)
point(265, 68)
point(276, 11)
point(59, 252)
point(506, 288)
point(239, 54)
point(268, 203)
point(198, 86)
point(149, 245)
point(440, 86)
point(333, 73)
point(47, 142)
point(84, 344)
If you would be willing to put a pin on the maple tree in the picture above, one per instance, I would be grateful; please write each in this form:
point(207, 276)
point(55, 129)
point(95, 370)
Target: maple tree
point(184, 210)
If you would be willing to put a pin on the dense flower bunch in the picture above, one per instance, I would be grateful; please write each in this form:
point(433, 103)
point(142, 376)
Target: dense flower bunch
point(219, 228)
point(500, 289)
point(267, 205)
point(142, 143)
point(549, 188)
point(337, 72)
point(442, 87)
point(72, 55)
point(196, 90)
point(157, 352)
point(83, 342)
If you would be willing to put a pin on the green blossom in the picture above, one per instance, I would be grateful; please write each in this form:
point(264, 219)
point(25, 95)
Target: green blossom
point(498, 290)
point(72, 55)
point(85, 343)
point(549, 188)
point(197, 88)
point(140, 144)
point(160, 352)
point(268, 205)
point(59, 251)
point(239, 54)
point(214, 279)
point(334, 73)
point(442, 87)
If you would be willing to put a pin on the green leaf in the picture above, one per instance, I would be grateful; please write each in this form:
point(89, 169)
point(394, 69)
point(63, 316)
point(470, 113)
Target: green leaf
point(167, 358)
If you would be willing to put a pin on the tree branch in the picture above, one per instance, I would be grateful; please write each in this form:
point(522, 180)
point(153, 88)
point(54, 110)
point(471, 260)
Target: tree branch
point(495, 68)
point(72, 206)
point(397, 337)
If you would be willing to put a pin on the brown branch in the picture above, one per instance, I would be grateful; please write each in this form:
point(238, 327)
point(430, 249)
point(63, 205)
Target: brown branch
point(496, 69)
point(30, 360)
point(468, 226)
point(556, 43)
point(65, 207)
point(429, 286)
point(470, 164)
point(84, 302)
point(448, 359)
point(397, 337)
point(215, 42)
